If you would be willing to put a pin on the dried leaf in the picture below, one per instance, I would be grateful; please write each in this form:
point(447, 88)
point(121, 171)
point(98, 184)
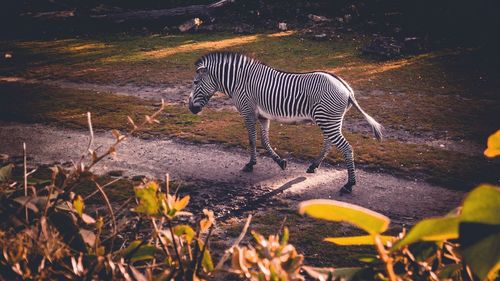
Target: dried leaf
point(131, 121)
point(88, 236)
point(493, 145)
point(208, 221)
point(88, 219)
point(6, 172)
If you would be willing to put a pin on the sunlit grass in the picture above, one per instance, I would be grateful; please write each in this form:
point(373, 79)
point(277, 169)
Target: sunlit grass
point(168, 59)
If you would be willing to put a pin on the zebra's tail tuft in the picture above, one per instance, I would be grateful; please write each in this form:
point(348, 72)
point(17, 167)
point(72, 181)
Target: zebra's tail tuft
point(376, 126)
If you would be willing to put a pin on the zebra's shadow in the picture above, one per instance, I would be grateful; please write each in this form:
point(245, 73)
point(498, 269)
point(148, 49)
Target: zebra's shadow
point(260, 200)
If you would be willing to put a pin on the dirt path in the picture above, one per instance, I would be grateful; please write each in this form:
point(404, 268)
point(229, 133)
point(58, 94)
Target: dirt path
point(221, 185)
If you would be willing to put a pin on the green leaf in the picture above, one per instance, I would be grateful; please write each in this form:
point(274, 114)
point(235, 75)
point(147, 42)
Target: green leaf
point(35, 181)
point(6, 172)
point(327, 273)
point(368, 258)
point(370, 221)
point(480, 230)
point(207, 263)
point(285, 236)
point(434, 229)
point(482, 205)
point(137, 252)
point(148, 199)
point(186, 230)
point(358, 240)
point(480, 247)
point(79, 205)
point(449, 271)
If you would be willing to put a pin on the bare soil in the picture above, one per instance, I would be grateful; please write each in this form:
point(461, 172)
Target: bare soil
point(224, 188)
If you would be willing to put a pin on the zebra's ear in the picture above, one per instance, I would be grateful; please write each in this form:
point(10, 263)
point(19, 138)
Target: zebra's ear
point(201, 70)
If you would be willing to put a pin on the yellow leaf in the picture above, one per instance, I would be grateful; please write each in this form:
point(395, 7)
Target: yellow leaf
point(181, 204)
point(208, 221)
point(332, 210)
point(79, 205)
point(358, 240)
point(493, 145)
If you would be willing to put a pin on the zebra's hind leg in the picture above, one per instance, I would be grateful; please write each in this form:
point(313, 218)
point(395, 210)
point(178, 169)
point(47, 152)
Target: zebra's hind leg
point(346, 149)
point(250, 124)
point(333, 133)
point(264, 137)
point(327, 146)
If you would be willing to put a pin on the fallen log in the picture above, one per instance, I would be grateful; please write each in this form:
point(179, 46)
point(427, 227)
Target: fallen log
point(201, 11)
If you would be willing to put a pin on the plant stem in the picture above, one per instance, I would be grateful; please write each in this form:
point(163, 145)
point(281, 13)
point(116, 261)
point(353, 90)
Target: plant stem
point(25, 179)
point(385, 258)
point(175, 245)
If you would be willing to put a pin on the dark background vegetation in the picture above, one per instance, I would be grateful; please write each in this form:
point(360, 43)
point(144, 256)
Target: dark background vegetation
point(439, 22)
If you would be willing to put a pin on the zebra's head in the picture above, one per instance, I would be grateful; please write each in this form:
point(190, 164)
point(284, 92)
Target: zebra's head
point(205, 87)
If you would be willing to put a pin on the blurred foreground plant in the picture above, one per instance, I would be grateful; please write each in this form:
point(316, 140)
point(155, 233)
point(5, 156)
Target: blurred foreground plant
point(46, 234)
point(271, 259)
point(463, 245)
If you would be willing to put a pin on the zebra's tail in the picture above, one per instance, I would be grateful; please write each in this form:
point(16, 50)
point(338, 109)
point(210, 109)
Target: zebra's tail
point(376, 127)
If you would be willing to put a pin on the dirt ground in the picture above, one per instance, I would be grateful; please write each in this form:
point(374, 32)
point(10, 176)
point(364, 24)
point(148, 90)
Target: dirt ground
point(226, 189)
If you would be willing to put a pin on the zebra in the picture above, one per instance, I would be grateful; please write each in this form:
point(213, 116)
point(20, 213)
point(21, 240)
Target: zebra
point(262, 93)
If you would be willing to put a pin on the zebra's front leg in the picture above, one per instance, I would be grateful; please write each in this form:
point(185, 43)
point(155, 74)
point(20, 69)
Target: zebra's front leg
point(250, 124)
point(325, 148)
point(264, 137)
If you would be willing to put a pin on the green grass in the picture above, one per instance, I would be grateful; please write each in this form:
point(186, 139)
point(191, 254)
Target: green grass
point(22, 103)
point(168, 59)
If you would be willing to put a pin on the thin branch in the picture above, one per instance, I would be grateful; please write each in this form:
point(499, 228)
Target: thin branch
point(167, 182)
point(157, 231)
point(91, 140)
point(112, 149)
point(204, 249)
point(385, 258)
point(104, 186)
point(181, 267)
point(282, 226)
point(235, 244)
point(25, 173)
point(110, 209)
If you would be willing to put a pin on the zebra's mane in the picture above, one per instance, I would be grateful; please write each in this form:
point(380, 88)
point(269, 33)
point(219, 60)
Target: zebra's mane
point(233, 56)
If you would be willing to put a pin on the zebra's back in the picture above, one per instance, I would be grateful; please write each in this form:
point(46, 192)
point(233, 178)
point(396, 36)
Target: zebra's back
point(292, 97)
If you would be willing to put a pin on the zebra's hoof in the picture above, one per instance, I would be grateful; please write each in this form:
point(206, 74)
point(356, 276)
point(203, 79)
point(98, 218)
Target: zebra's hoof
point(282, 164)
point(248, 168)
point(346, 189)
point(311, 169)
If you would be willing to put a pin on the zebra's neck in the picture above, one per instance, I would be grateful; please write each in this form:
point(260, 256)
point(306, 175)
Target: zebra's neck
point(230, 70)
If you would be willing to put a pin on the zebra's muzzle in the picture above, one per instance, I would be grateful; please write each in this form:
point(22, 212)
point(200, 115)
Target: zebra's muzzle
point(194, 108)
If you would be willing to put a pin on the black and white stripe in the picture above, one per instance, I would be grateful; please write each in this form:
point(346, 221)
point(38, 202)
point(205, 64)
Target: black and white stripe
point(262, 93)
